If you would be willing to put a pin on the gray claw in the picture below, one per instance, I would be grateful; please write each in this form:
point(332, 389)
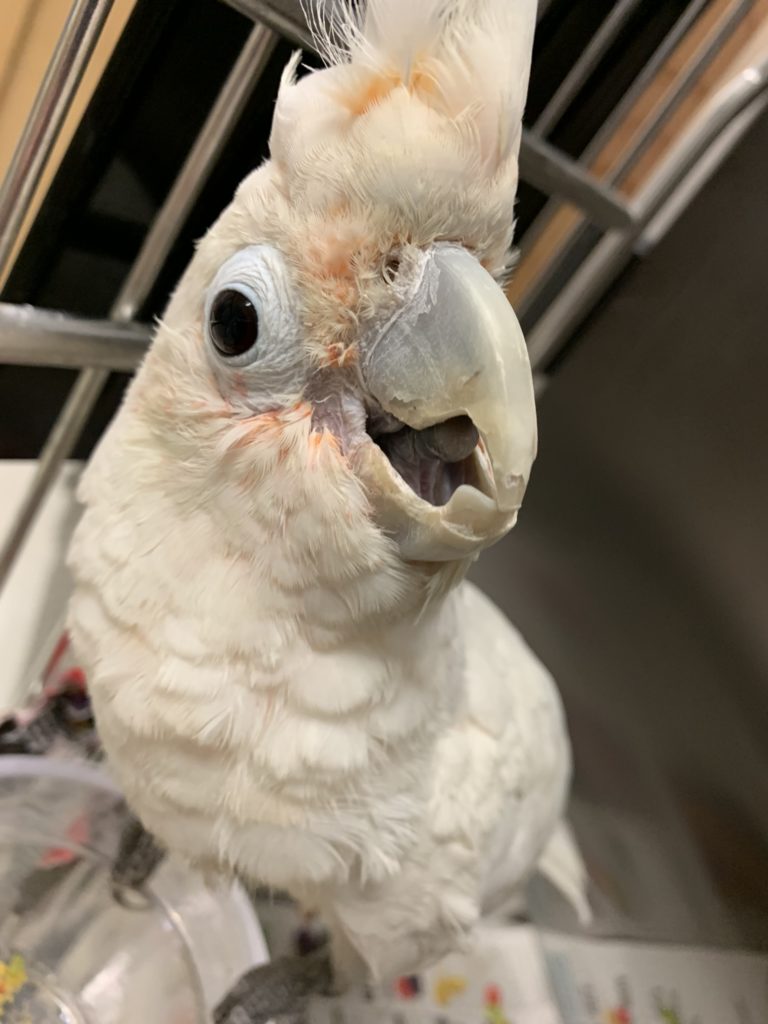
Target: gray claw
point(278, 989)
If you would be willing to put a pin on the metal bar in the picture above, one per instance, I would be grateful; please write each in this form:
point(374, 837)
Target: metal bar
point(584, 66)
point(731, 100)
point(73, 417)
point(660, 56)
point(550, 170)
point(613, 252)
point(52, 103)
point(287, 18)
point(41, 337)
point(179, 201)
point(630, 97)
point(682, 88)
point(540, 384)
point(291, 25)
point(699, 175)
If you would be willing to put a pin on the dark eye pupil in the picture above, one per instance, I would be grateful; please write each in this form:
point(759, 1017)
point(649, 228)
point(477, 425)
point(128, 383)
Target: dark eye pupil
point(233, 322)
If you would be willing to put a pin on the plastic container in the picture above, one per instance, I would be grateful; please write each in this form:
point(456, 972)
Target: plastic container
point(70, 952)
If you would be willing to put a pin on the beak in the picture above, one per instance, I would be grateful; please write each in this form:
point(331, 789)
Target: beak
point(453, 347)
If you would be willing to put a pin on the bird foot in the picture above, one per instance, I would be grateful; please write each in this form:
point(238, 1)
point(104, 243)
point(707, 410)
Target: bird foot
point(138, 857)
point(280, 989)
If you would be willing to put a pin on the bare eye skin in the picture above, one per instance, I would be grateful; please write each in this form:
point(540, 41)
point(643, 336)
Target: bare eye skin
point(233, 323)
point(252, 332)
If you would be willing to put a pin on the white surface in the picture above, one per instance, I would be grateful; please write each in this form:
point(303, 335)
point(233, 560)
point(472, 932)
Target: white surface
point(639, 983)
point(505, 962)
point(553, 978)
point(550, 977)
point(32, 604)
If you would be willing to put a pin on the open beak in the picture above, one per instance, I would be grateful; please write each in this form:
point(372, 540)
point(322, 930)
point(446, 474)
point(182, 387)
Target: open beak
point(452, 399)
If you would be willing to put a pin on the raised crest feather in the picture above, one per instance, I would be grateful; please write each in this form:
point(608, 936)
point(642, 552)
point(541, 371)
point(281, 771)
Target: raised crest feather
point(459, 57)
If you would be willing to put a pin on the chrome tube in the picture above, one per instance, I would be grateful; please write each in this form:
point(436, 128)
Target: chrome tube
point(682, 89)
point(596, 48)
point(90, 382)
point(43, 337)
point(274, 16)
point(218, 126)
point(670, 42)
point(73, 418)
point(52, 103)
point(613, 252)
point(550, 170)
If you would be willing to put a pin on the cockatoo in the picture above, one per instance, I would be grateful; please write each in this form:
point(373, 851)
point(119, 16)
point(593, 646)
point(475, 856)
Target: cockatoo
point(291, 679)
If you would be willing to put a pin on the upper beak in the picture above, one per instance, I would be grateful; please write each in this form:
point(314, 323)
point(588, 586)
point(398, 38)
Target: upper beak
point(454, 347)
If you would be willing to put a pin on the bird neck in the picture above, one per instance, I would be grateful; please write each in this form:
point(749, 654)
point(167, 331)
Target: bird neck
point(345, 598)
point(346, 624)
point(378, 662)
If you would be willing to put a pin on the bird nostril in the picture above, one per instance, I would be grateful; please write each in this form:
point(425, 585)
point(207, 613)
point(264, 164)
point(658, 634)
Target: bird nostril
point(391, 268)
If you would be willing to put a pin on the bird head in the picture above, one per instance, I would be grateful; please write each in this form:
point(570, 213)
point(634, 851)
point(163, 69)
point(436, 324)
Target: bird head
point(340, 355)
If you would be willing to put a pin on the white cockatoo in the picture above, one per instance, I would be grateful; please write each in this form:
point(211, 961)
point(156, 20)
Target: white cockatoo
point(290, 677)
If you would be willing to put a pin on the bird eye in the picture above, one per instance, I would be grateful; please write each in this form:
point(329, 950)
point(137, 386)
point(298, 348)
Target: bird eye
point(233, 322)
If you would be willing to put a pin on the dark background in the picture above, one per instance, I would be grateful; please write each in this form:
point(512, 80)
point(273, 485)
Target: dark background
point(639, 570)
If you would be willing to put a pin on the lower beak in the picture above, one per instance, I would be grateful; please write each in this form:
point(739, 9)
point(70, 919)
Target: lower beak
point(454, 348)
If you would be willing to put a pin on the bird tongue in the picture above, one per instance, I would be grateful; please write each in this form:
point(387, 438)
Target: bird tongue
point(451, 441)
point(434, 461)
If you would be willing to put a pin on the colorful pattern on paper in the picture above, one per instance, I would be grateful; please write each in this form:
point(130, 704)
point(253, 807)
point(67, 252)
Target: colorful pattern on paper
point(13, 977)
